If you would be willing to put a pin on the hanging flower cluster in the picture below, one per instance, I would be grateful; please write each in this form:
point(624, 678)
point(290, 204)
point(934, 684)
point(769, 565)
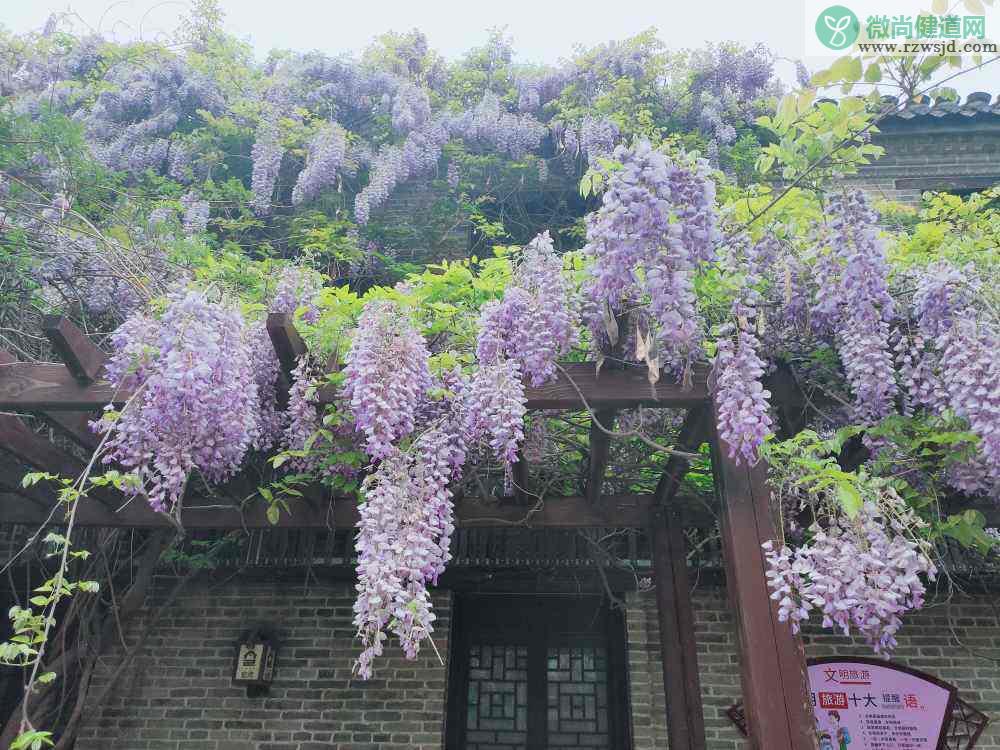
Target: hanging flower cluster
point(386, 376)
point(952, 365)
point(196, 402)
point(855, 302)
point(536, 322)
point(861, 573)
point(404, 535)
point(656, 222)
point(496, 408)
point(743, 419)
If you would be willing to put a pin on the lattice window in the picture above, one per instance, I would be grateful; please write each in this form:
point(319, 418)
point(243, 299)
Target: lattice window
point(577, 681)
point(497, 710)
point(533, 673)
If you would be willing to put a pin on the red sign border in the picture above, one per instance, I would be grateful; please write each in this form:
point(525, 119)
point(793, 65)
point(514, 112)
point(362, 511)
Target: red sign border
point(952, 690)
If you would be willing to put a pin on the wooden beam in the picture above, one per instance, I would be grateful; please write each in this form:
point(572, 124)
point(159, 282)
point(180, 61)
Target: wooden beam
point(76, 426)
point(695, 430)
point(613, 389)
point(40, 454)
point(81, 356)
point(521, 478)
point(285, 339)
point(678, 649)
point(48, 386)
point(44, 386)
point(558, 512)
point(72, 423)
point(600, 452)
point(772, 660)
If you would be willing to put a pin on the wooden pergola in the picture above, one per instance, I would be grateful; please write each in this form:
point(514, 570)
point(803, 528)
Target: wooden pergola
point(774, 685)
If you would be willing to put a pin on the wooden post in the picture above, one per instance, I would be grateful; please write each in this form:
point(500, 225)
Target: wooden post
point(772, 660)
point(681, 685)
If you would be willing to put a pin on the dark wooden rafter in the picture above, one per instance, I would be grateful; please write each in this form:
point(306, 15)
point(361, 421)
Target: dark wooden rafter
point(34, 450)
point(600, 451)
point(628, 511)
point(42, 386)
point(11, 471)
point(695, 430)
point(288, 346)
point(74, 424)
point(82, 357)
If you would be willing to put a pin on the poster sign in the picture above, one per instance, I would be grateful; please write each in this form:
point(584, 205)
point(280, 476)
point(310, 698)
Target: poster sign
point(865, 704)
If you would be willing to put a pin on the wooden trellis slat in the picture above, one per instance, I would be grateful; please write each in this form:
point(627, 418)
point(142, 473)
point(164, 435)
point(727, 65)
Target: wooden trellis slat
point(72, 423)
point(44, 386)
point(600, 452)
point(695, 430)
point(82, 357)
point(285, 339)
point(627, 511)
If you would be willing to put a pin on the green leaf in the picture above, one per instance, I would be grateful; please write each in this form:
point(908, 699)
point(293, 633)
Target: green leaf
point(874, 73)
point(39, 601)
point(273, 514)
point(46, 677)
point(849, 498)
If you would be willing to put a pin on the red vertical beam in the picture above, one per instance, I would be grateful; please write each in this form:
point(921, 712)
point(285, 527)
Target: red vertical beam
point(678, 649)
point(772, 660)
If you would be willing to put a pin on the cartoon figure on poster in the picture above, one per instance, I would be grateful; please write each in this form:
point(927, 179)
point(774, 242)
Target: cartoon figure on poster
point(840, 732)
point(825, 741)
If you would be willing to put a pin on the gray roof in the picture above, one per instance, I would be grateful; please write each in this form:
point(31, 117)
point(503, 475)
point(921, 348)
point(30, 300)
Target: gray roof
point(977, 105)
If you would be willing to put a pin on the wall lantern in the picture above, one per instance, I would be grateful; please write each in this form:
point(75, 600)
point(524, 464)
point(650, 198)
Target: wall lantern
point(256, 654)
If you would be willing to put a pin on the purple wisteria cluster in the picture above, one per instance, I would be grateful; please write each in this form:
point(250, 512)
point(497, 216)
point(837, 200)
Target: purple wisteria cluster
point(386, 376)
point(392, 165)
point(266, 154)
point(495, 405)
point(196, 213)
point(404, 534)
point(297, 288)
point(411, 108)
point(860, 573)
point(970, 375)
point(141, 105)
point(536, 322)
point(743, 419)
point(951, 365)
point(324, 156)
point(489, 125)
point(656, 222)
point(195, 403)
point(854, 303)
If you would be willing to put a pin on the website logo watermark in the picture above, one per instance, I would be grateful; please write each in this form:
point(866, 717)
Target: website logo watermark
point(878, 26)
point(837, 27)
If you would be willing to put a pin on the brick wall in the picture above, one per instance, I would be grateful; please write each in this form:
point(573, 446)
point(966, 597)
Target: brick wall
point(957, 641)
point(927, 155)
point(178, 695)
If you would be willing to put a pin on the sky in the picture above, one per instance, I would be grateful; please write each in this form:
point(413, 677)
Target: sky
point(543, 30)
